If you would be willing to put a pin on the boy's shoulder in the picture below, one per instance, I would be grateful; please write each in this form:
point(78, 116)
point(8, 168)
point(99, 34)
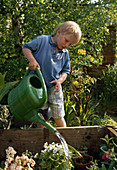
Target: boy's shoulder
point(43, 36)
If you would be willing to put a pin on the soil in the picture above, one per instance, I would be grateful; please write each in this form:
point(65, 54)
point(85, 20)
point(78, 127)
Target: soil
point(83, 160)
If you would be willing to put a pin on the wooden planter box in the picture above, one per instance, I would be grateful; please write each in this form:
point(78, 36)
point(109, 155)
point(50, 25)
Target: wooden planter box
point(33, 139)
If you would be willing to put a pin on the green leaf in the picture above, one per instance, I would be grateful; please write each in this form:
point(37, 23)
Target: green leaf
point(1, 81)
point(7, 87)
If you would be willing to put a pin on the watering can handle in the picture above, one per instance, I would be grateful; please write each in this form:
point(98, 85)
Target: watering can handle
point(37, 70)
point(41, 79)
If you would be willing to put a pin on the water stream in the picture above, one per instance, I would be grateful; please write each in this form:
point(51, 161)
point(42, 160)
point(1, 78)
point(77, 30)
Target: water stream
point(37, 119)
point(65, 146)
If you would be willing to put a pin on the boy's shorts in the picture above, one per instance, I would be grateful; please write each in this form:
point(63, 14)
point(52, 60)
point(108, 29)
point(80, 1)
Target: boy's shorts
point(55, 103)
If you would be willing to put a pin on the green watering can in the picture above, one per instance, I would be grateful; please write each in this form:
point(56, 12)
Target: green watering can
point(25, 100)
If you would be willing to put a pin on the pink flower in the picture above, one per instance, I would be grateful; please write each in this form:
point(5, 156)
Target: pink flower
point(19, 167)
point(18, 160)
point(32, 162)
point(13, 166)
point(106, 156)
point(9, 160)
point(10, 150)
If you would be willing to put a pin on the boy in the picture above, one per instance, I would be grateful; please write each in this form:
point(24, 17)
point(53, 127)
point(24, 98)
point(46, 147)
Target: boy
point(50, 55)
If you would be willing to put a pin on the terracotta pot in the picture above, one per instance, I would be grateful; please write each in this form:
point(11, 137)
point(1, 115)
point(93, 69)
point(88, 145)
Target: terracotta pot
point(83, 162)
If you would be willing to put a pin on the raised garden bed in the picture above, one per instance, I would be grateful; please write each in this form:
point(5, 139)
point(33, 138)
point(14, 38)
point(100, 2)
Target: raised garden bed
point(33, 139)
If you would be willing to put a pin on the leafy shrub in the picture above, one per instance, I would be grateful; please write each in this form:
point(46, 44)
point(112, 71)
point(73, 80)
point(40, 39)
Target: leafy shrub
point(108, 91)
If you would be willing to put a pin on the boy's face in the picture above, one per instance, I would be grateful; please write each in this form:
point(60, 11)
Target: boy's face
point(65, 40)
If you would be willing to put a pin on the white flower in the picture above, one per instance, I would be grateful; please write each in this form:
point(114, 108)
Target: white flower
point(50, 148)
point(36, 155)
point(55, 150)
point(56, 144)
point(46, 145)
point(43, 151)
point(61, 151)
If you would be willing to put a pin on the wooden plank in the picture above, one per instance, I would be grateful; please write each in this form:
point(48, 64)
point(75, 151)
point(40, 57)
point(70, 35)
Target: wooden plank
point(33, 139)
point(83, 136)
point(21, 140)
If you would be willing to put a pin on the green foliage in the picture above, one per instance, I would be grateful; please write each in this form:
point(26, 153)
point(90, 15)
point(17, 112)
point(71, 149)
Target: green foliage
point(110, 85)
point(5, 117)
point(5, 88)
point(1, 81)
point(89, 108)
point(108, 92)
point(69, 112)
point(21, 21)
point(80, 92)
point(85, 113)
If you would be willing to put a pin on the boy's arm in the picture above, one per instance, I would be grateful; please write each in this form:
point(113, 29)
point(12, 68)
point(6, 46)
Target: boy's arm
point(59, 81)
point(62, 78)
point(33, 63)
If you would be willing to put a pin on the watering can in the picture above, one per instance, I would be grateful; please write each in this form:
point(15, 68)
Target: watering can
point(25, 100)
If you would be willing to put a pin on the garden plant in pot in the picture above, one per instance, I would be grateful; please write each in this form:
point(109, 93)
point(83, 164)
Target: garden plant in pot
point(81, 161)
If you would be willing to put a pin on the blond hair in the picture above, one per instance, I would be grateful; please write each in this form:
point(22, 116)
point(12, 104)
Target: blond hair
point(69, 27)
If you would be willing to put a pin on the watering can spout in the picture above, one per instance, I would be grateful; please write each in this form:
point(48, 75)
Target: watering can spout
point(35, 117)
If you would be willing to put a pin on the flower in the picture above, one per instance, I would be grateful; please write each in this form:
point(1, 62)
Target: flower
point(45, 145)
point(55, 150)
point(81, 51)
point(106, 156)
point(10, 152)
point(75, 83)
point(61, 151)
point(13, 166)
point(53, 157)
point(18, 162)
point(108, 149)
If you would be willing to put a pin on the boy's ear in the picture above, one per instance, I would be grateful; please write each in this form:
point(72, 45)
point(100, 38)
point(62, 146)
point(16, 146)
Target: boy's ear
point(59, 31)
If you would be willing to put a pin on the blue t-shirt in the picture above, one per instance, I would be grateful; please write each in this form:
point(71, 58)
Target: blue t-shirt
point(52, 64)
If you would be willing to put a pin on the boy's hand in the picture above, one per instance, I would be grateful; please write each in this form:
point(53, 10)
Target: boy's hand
point(57, 84)
point(59, 81)
point(33, 65)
